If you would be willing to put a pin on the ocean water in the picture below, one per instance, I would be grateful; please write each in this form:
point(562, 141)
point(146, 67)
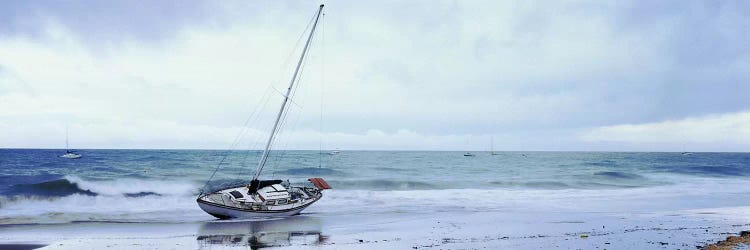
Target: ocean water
point(37, 187)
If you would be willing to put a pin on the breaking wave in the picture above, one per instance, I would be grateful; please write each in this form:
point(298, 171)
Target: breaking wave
point(72, 185)
point(60, 187)
point(72, 198)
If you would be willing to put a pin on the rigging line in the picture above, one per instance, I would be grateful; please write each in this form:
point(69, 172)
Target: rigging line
point(263, 101)
point(235, 142)
point(290, 98)
point(283, 153)
point(322, 89)
point(273, 131)
point(247, 153)
point(258, 133)
point(301, 76)
point(256, 141)
point(289, 57)
point(283, 120)
point(286, 63)
point(282, 126)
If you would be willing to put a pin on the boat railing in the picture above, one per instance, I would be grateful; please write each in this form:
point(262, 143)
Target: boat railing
point(225, 200)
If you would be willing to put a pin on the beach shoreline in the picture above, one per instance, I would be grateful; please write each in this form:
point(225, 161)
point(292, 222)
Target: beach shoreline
point(688, 229)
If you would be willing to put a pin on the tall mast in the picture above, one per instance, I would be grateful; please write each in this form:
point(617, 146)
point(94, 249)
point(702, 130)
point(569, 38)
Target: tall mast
point(67, 148)
point(264, 157)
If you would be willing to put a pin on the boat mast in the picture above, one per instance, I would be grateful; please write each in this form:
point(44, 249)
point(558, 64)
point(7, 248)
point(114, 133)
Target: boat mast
point(264, 157)
point(67, 148)
point(492, 145)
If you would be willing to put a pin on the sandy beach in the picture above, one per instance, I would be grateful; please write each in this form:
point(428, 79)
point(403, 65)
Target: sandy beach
point(685, 229)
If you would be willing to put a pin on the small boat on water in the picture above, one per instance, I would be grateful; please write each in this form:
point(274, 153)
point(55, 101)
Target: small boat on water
point(267, 198)
point(468, 154)
point(492, 146)
point(69, 154)
point(335, 152)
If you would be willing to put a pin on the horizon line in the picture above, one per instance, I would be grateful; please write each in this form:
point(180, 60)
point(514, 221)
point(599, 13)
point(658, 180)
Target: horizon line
point(383, 150)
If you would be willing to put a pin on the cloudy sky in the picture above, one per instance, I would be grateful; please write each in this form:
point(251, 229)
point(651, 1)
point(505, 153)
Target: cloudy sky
point(416, 75)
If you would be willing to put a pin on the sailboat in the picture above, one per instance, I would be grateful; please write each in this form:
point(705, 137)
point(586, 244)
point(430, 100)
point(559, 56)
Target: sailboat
point(69, 154)
point(267, 198)
point(492, 146)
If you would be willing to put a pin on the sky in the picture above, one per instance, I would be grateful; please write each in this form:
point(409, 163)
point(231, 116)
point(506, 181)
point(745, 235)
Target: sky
point(385, 75)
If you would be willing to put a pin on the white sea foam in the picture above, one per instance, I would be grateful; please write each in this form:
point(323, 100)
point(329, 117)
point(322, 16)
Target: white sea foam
point(159, 201)
point(687, 193)
point(133, 186)
point(176, 201)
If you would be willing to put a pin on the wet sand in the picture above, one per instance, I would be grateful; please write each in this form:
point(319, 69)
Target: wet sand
point(687, 229)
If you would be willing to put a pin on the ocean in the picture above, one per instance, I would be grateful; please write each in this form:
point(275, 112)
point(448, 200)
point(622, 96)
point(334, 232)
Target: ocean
point(38, 187)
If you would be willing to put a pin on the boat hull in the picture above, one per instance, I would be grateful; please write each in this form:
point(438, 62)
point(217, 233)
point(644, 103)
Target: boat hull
point(228, 212)
point(70, 156)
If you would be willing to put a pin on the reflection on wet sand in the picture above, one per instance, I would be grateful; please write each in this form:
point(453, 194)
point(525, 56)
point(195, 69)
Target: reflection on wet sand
point(297, 230)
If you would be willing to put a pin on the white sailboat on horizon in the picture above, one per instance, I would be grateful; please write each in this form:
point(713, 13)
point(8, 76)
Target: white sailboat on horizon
point(69, 154)
point(267, 198)
point(492, 145)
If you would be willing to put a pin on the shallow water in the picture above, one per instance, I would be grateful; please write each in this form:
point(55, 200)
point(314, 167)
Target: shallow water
point(36, 186)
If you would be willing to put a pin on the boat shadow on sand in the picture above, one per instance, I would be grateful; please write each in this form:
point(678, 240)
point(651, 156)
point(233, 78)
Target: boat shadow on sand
point(292, 231)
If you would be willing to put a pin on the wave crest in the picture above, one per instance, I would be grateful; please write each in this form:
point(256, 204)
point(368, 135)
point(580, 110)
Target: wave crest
point(72, 185)
point(59, 187)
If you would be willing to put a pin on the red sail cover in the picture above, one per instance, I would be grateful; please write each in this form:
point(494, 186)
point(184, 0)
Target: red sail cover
point(320, 183)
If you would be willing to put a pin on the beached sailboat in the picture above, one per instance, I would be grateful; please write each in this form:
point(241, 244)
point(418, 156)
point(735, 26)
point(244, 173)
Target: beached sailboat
point(267, 198)
point(69, 154)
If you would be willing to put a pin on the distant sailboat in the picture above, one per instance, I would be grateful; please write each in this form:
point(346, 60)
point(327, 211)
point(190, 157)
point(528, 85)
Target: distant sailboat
point(684, 152)
point(267, 198)
point(69, 153)
point(492, 146)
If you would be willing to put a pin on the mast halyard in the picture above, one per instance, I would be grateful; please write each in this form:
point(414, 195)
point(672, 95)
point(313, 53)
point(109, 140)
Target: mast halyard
point(264, 156)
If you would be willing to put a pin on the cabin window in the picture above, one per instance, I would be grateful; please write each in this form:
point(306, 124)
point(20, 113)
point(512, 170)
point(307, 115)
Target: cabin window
point(236, 194)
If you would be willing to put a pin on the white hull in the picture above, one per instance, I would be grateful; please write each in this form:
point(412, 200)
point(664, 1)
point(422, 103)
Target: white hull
point(272, 200)
point(225, 212)
point(70, 156)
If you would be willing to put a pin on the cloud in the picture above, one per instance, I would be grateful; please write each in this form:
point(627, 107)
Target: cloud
point(532, 74)
point(725, 132)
